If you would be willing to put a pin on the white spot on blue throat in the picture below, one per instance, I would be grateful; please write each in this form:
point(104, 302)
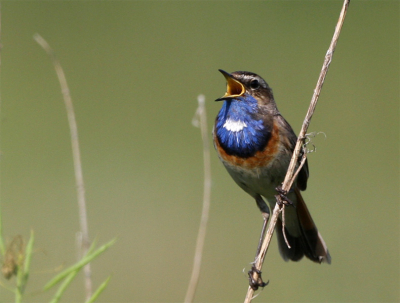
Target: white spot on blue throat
point(234, 125)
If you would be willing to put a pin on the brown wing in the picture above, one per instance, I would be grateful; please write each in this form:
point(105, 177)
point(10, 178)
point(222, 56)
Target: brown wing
point(291, 142)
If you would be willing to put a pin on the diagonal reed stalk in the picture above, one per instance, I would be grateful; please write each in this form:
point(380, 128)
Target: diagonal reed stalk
point(290, 175)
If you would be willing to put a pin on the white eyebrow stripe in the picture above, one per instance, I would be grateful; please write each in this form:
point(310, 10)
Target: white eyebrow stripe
point(234, 126)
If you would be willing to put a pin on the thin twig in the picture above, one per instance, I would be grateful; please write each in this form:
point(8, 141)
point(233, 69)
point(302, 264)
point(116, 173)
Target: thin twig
point(303, 160)
point(287, 183)
point(76, 158)
point(201, 115)
point(2, 246)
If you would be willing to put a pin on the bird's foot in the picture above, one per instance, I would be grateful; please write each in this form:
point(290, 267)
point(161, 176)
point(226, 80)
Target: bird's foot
point(282, 197)
point(258, 282)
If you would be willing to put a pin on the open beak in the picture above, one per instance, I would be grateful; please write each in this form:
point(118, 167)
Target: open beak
point(233, 87)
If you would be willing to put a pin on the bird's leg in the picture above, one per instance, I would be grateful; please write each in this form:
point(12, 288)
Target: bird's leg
point(265, 213)
point(282, 196)
point(255, 280)
point(263, 229)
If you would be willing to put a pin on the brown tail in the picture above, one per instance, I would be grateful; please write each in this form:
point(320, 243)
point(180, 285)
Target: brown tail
point(307, 242)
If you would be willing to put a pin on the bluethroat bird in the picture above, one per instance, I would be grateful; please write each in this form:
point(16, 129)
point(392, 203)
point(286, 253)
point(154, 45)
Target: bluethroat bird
point(255, 144)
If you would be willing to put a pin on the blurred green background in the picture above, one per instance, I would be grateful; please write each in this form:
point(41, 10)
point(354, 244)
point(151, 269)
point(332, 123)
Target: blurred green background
point(135, 69)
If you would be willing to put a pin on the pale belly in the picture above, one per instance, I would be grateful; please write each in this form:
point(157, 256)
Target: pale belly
point(261, 180)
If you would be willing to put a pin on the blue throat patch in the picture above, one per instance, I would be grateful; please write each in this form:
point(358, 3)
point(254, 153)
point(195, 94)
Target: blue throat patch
point(238, 132)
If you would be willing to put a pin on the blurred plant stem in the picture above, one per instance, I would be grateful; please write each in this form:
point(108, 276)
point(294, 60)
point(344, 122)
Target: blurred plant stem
point(2, 246)
point(200, 120)
point(16, 262)
point(76, 157)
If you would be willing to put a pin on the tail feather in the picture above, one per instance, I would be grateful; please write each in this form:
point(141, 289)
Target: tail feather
point(295, 252)
point(308, 240)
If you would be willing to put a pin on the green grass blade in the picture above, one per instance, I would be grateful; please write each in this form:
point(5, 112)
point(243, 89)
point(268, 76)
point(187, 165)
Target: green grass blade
point(18, 295)
point(98, 291)
point(64, 286)
point(24, 263)
point(77, 266)
point(28, 254)
point(91, 248)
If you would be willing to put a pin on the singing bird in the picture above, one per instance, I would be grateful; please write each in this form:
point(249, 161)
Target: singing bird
point(255, 144)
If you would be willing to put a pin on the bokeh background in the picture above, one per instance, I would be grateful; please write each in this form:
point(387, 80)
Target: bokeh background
point(135, 69)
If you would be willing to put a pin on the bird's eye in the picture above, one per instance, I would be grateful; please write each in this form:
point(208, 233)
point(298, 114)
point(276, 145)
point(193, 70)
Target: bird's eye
point(254, 84)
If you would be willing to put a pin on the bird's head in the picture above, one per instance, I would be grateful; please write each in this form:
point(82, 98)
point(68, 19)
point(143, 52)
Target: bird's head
point(248, 87)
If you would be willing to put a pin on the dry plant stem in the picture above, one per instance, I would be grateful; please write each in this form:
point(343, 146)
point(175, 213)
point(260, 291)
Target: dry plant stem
point(76, 158)
point(2, 245)
point(290, 175)
point(201, 113)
